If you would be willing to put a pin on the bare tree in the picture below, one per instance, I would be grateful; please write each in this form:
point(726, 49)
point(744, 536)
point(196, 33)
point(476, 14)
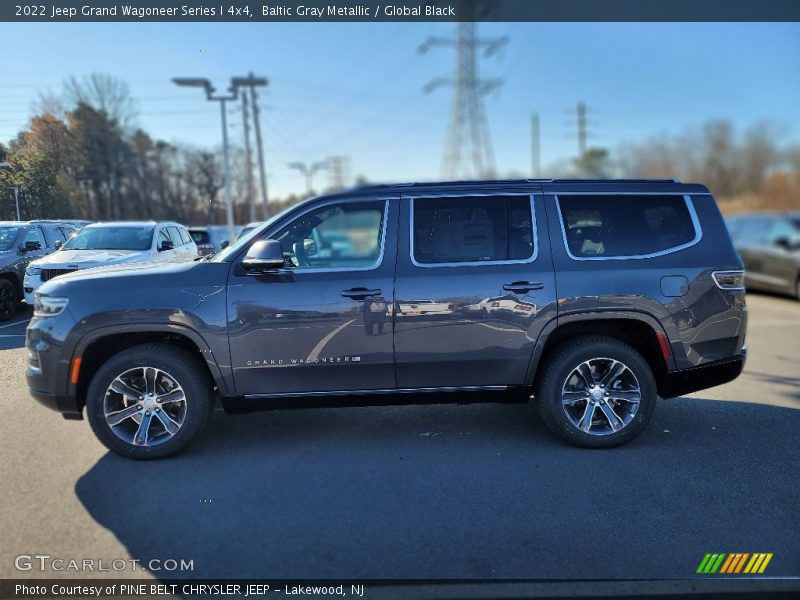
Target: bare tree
point(105, 93)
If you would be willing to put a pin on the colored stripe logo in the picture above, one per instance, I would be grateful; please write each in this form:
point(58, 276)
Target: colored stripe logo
point(734, 563)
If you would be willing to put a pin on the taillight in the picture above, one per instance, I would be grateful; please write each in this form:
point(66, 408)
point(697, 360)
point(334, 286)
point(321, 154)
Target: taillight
point(729, 280)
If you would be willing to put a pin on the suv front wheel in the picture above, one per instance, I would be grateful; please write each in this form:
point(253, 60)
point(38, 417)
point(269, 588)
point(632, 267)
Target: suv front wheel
point(8, 299)
point(149, 401)
point(596, 392)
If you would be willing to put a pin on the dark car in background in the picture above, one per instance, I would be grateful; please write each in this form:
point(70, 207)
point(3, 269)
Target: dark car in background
point(595, 297)
point(769, 245)
point(22, 242)
point(211, 238)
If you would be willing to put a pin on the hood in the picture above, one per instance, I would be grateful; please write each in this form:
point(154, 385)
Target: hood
point(137, 282)
point(84, 259)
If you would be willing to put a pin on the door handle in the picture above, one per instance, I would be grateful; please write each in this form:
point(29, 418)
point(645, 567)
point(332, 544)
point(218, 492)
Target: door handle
point(360, 293)
point(520, 287)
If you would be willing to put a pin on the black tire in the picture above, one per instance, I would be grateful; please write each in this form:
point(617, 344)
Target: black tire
point(182, 368)
point(553, 379)
point(9, 300)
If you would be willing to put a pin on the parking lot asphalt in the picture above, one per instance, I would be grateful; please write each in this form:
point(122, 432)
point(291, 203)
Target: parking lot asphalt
point(479, 491)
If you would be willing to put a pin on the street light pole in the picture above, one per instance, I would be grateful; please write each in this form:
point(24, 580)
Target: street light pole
point(308, 172)
point(209, 89)
point(16, 201)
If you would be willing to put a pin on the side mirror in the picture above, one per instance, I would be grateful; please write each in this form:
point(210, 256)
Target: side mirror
point(57, 244)
point(166, 245)
point(225, 244)
point(30, 246)
point(264, 255)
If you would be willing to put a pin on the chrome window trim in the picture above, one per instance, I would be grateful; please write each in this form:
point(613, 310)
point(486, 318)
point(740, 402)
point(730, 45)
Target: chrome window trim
point(478, 263)
point(376, 265)
point(387, 391)
point(698, 230)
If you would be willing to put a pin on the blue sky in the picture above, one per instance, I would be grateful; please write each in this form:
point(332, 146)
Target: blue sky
point(355, 89)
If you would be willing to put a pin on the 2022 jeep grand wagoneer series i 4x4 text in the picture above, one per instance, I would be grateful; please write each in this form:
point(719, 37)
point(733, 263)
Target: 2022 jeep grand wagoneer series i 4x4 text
point(594, 297)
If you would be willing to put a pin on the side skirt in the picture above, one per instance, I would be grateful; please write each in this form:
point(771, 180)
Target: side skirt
point(387, 397)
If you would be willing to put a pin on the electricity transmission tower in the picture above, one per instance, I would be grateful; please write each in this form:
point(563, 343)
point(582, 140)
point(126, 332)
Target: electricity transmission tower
point(468, 148)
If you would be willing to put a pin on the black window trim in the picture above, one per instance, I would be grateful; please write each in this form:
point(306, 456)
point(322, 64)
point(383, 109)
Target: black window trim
point(698, 230)
point(476, 263)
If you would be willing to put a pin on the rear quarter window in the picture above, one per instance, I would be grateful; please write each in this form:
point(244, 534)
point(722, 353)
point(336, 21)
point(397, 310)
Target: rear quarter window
point(625, 226)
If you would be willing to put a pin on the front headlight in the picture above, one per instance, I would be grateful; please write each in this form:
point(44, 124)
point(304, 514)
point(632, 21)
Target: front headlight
point(47, 306)
point(31, 270)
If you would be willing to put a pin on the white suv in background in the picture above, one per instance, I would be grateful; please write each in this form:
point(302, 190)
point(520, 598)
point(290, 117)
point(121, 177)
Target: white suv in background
point(112, 243)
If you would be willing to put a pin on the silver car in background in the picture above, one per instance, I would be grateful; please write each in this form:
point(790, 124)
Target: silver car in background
point(769, 245)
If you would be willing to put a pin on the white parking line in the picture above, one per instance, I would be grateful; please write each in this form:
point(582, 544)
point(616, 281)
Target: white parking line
point(323, 342)
point(12, 324)
point(12, 335)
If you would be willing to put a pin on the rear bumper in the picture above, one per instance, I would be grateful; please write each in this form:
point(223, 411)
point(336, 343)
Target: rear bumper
point(679, 383)
point(66, 405)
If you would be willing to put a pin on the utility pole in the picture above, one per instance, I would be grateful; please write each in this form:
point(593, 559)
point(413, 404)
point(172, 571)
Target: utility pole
point(16, 201)
point(582, 135)
point(468, 128)
point(308, 171)
point(248, 163)
point(262, 173)
point(535, 147)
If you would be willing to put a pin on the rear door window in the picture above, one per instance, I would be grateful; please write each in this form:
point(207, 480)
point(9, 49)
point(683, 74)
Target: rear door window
point(184, 235)
point(472, 229)
point(176, 237)
point(625, 226)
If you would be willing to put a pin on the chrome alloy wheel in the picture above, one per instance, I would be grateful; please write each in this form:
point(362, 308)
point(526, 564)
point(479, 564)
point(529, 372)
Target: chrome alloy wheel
point(145, 406)
point(601, 396)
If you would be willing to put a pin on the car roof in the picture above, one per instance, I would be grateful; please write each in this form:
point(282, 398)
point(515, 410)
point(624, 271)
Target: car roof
point(131, 224)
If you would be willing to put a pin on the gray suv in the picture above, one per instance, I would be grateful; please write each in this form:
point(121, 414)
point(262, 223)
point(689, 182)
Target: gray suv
point(592, 297)
point(22, 242)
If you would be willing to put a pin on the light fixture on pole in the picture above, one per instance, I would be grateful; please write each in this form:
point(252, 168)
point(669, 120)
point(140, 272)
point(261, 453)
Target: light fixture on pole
point(222, 99)
point(308, 172)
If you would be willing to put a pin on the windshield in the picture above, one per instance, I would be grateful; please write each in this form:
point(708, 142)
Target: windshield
point(244, 238)
point(111, 238)
point(8, 236)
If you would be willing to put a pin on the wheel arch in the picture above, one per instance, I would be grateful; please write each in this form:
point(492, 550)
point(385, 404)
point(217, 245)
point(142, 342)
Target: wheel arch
point(101, 344)
point(639, 330)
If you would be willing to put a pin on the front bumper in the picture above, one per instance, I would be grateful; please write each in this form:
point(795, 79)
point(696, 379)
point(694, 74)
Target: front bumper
point(66, 405)
point(686, 381)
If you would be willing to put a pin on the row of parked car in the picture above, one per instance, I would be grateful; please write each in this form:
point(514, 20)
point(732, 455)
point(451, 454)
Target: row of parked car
point(33, 252)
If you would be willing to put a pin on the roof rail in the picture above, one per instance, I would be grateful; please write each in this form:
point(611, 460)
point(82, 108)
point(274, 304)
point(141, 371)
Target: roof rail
point(641, 180)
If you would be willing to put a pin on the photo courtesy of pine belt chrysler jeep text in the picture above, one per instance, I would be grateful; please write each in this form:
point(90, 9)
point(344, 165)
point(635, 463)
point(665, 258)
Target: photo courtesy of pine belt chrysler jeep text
point(593, 298)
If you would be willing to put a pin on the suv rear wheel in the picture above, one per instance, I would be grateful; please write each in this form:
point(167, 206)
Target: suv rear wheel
point(149, 401)
point(9, 300)
point(596, 392)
